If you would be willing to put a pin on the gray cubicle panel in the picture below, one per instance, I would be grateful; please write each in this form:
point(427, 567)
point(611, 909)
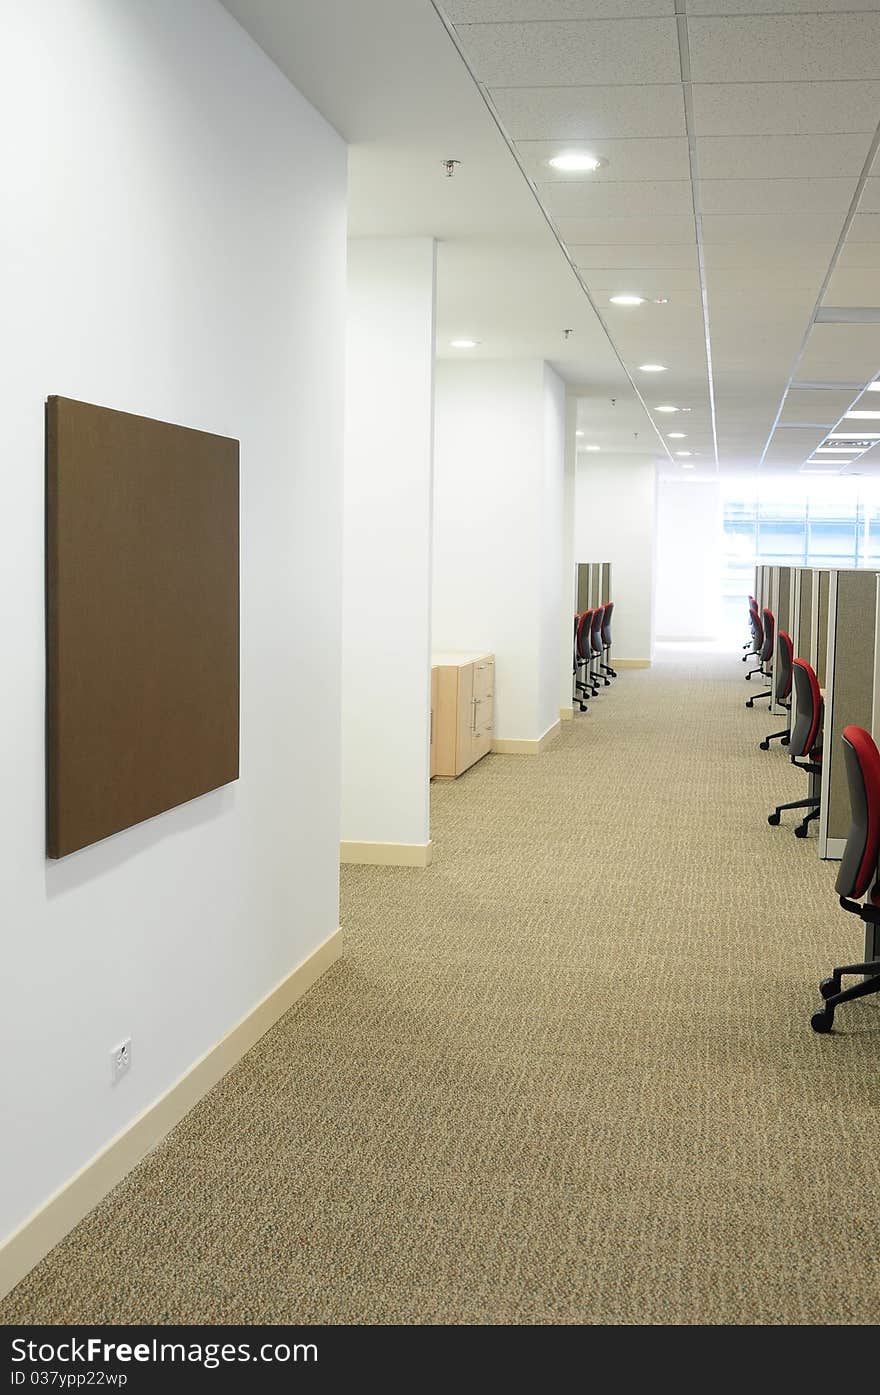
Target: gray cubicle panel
point(780, 604)
point(849, 693)
point(819, 629)
point(595, 583)
point(583, 587)
point(802, 615)
point(604, 583)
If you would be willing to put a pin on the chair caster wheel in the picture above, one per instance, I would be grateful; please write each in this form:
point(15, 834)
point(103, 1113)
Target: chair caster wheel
point(773, 819)
point(765, 745)
point(786, 741)
point(748, 677)
point(750, 703)
point(822, 1021)
point(828, 987)
point(800, 831)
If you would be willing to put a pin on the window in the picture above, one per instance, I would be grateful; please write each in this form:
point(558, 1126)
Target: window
point(795, 522)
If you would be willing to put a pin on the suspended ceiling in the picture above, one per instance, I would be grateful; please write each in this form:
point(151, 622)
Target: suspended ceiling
point(740, 186)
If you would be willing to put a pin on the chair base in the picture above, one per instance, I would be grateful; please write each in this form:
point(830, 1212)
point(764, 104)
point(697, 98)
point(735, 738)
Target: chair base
point(776, 817)
point(823, 1020)
point(783, 736)
point(750, 702)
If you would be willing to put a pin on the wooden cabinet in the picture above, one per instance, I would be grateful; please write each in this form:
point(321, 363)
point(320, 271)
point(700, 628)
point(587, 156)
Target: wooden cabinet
point(462, 711)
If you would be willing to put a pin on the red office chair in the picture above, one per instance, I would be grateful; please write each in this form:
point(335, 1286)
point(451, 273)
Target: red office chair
point(585, 653)
point(858, 869)
point(579, 688)
point(606, 639)
point(805, 747)
point(757, 635)
point(765, 656)
point(597, 646)
point(782, 687)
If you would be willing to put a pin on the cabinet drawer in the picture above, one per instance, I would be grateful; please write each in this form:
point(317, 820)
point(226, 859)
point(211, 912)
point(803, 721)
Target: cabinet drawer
point(482, 741)
point(484, 677)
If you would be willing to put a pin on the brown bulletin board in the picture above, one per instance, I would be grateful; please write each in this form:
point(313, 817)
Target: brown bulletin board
point(142, 619)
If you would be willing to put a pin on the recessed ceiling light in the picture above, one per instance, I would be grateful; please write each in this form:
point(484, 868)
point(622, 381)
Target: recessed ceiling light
point(652, 367)
point(591, 447)
point(464, 343)
point(576, 162)
point(579, 433)
point(688, 467)
point(668, 409)
point(864, 416)
point(676, 435)
point(684, 452)
point(627, 300)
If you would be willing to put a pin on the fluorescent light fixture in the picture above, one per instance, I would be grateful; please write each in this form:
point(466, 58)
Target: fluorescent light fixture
point(864, 416)
point(667, 409)
point(652, 367)
point(684, 452)
point(464, 343)
point(579, 433)
point(688, 467)
point(835, 470)
point(853, 435)
point(836, 450)
point(591, 447)
point(576, 162)
point(873, 387)
point(848, 315)
point(627, 300)
point(676, 435)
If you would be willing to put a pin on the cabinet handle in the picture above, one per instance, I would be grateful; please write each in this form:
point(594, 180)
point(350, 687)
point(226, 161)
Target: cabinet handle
point(474, 720)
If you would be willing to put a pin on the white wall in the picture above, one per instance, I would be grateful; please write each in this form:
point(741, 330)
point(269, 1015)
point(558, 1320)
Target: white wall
point(615, 521)
point(689, 559)
point(498, 530)
point(568, 582)
point(173, 244)
point(389, 427)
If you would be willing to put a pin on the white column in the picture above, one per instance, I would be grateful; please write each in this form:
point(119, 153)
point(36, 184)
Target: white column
point(386, 629)
point(498, 535)
point(615, 521)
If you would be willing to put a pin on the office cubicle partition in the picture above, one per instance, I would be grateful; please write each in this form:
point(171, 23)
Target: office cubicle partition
point(593, 585)
point(848, 681)
point(819, 633)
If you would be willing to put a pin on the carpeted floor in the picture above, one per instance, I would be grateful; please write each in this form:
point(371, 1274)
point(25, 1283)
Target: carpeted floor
point(564, 1075)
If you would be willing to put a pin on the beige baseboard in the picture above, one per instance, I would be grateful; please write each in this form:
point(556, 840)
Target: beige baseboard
point(630, 663)
point(566, 714)
point(387, 854)
point(53, 1220)
point(509, 746)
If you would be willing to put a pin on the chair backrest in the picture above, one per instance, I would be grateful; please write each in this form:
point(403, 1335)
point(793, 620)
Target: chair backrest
point(606, 625)
point(806, 732)
point(583, 634)
point(859, 863)
point(757, 629)
point(596, 629)
point(784, 657)
point(769, 636)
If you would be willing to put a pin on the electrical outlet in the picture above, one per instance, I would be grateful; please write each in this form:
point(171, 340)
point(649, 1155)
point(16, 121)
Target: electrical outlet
point(120, 1059)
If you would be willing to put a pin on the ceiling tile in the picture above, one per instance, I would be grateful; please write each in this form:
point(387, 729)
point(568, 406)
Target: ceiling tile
point(751, 278)
point(865, 227)
point(591, 113)
point(634, 256)
point(671, 282)
point(633, 200)
point(854, 287)
point(504, 11)
point(796, 108)
point(771, 196)
point(794, 261)
point(765, 7)
point(858, 255)
point(782, 157)
point(623, 230)
point(841, 352)
point(825, 408)
point(870, 200)
point(785, 48)
point(777, 228)
point(627, 160)
point(522, 55)
point(795, 443)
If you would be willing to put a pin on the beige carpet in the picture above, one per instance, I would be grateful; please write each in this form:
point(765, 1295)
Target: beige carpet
point(564, 1075)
